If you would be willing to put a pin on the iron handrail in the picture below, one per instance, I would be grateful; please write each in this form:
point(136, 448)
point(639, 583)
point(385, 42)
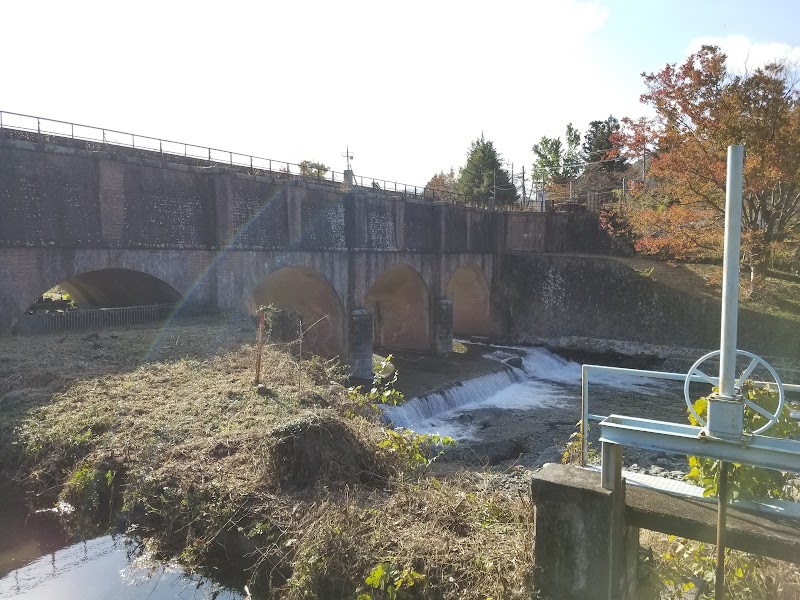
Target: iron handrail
point(115, 137)
point(586, 416)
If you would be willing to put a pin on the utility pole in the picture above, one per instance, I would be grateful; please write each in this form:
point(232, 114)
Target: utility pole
point(523, 183)
point(644, 162)
point(494, 191)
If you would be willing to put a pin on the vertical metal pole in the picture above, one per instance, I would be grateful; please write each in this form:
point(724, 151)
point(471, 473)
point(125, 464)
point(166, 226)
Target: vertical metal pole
point(730, 272)
point(722, 514)
point(611, 466)
point(584, 414)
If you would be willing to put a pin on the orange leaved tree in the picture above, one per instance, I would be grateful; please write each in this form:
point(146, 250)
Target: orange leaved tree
point(701, 108)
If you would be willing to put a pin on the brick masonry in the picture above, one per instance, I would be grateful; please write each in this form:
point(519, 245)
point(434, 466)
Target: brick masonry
point(215, 234)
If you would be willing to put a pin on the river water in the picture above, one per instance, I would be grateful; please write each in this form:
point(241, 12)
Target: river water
point(521, 412)
point(107, 567)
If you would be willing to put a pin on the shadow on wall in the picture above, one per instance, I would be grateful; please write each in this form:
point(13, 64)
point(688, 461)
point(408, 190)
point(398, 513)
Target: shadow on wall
point(310, 297)
point(399, 302)
point(469, 292)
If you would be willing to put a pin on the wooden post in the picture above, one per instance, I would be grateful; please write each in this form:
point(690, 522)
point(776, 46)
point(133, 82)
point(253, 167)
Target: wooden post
point(260, 346)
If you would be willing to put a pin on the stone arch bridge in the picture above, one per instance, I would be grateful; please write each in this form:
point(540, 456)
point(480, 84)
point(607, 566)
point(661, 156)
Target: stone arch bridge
point(116, 226)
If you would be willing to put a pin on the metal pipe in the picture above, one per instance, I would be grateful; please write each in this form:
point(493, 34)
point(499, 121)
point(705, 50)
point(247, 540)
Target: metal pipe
point(584, 414)
point(722, 514)
point(730, 272)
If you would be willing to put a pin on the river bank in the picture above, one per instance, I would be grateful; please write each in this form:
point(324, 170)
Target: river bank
point(299, 485)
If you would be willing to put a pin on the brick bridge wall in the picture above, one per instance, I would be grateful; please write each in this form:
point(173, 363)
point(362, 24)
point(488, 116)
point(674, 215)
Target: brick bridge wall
point(216, 233)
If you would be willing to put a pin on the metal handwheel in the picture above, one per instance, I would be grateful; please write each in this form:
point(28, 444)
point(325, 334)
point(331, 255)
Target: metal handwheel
point(755, 361)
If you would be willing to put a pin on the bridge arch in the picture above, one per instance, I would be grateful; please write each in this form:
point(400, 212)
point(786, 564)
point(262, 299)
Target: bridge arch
point(306, 292)
point(115, 287)
point(469, 291)
point(400, 305)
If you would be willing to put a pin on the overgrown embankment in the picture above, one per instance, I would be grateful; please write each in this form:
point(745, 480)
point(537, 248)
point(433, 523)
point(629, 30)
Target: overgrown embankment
point(300, 487)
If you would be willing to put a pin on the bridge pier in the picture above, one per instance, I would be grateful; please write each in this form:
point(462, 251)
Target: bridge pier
point(442, 326)
point(361, 343)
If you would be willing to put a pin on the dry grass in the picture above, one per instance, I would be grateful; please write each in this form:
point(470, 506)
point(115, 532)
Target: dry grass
point(165, 425)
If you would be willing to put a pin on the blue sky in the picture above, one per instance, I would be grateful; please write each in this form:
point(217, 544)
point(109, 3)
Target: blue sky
point(407, 84)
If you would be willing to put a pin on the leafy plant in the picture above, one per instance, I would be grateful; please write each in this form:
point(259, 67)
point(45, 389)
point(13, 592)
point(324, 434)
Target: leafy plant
point(392, 583)
point(745, 481)
point(572, 449)
point(688, 568)
point(381, 392)
point(415, 449)
point(689, 564)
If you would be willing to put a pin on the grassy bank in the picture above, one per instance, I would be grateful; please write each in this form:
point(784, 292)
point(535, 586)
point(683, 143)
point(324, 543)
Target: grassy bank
point(299, 485)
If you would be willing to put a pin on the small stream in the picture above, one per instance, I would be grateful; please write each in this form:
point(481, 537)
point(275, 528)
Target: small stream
point(37, 562)
point(107, 567)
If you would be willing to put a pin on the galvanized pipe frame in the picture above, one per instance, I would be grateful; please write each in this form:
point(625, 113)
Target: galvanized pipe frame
point(587, 370)
point(225, 157)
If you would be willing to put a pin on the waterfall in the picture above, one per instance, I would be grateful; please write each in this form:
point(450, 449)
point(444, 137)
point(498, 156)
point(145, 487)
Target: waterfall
point(423, 408)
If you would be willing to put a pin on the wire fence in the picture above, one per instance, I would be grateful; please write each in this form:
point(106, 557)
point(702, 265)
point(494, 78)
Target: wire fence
point(103, 136)
point(93, 318)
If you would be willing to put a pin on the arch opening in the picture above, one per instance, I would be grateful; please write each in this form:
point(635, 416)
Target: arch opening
point(119, 297)
point(312, 297)
point(400, 308)
point(469, 291)
point(106, 288)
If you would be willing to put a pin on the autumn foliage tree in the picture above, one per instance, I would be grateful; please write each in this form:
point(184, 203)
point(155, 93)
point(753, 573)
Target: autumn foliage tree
point(701, 108)
point(443, 183)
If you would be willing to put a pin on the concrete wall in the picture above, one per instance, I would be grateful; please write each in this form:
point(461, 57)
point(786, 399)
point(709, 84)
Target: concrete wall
point(548, 296)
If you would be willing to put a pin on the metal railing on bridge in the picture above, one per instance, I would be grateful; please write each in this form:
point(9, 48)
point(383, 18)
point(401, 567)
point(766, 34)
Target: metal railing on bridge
point(104, 136)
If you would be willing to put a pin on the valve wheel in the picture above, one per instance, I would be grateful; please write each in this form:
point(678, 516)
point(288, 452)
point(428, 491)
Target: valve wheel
point(696, 374)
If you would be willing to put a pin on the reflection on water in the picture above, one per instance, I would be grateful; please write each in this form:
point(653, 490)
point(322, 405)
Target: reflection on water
point(107, 567)
point(36, 562)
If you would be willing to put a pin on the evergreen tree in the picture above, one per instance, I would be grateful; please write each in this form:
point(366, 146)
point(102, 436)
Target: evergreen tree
point(598, 145)
point(483, 178)
point(556, 160)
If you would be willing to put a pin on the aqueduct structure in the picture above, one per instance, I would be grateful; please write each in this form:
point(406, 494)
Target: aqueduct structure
point(117, 226)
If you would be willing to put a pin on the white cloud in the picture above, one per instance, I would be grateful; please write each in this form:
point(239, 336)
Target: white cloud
point(744, 54)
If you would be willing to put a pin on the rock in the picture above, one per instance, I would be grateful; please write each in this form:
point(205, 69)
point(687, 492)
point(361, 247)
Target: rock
point(664, 463)
point(549, 455)
point(656, 470)
point(514, 361)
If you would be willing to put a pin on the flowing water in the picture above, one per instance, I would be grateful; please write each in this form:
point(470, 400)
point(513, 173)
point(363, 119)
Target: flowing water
point(522, 411)
point(545, 380)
